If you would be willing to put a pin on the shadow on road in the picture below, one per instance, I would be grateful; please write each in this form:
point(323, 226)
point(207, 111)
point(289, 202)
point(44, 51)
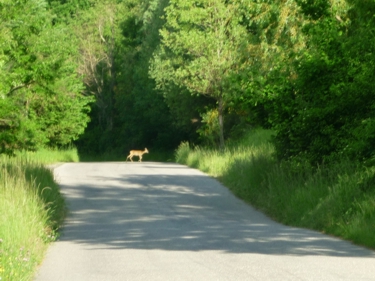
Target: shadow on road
point(156, 209)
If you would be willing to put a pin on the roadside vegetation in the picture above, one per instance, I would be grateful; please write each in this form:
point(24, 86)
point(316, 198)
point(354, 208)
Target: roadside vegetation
point(337, 199)
point(32, 210)
point(110, 76)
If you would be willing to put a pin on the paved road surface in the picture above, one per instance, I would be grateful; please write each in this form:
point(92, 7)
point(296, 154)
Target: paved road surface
point(154, 221)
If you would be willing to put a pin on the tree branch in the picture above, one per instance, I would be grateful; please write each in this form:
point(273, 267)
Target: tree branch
point(19, 87)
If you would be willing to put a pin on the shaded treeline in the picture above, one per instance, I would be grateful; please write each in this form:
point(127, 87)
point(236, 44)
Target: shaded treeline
point(157, 72)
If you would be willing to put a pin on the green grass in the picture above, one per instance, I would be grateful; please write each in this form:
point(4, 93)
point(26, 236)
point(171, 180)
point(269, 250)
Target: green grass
point(32, 209)
point(48, 156)
point(337, 199)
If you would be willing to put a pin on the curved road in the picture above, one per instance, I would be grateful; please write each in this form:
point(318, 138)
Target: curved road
point(158, 221)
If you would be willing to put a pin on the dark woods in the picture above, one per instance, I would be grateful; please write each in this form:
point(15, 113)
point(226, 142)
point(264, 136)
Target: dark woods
point(111, 76)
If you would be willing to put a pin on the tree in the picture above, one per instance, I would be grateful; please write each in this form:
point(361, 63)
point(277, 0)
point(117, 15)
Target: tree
point(98, 30)
point(200, 50)
point(117, 75)
point(143, 117)
point(325, 111)
point(37, 70)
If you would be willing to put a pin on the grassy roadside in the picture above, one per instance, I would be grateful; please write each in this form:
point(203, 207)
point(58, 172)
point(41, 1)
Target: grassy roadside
point(337, 200)
point(31, 208)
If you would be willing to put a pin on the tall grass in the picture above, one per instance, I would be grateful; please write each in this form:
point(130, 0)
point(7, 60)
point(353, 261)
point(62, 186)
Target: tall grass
point(338, 199)
point(47, 156)
point(215, 162)
point(31, 208)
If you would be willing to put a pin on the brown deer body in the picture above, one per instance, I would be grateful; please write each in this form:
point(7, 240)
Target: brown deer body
point(138, 153)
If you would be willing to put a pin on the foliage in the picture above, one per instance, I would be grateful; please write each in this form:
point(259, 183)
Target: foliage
point(157, 73)
point(36, 62)
point(32, 210)
point(325, 113)
point(97, 30)
point(154, 73)
point(338, 199)
point(128, 112)
point(66, 10)
point(200, 49)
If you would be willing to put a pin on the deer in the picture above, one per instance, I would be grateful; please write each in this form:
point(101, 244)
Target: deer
point(138, 153)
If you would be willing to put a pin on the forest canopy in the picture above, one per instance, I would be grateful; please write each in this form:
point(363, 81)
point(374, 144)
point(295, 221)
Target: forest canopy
point(116, 75)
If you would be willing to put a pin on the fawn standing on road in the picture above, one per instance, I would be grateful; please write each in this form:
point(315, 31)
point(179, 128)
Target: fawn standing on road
point(138, 153)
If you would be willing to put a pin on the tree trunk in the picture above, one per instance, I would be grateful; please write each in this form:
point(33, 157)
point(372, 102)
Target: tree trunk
point(221, 121)
point(112, 75)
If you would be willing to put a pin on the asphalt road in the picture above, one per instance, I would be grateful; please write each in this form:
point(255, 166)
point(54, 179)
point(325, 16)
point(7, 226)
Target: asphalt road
point(158, 221)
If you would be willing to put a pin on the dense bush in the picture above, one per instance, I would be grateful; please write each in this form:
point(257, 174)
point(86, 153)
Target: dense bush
point(326, 111)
